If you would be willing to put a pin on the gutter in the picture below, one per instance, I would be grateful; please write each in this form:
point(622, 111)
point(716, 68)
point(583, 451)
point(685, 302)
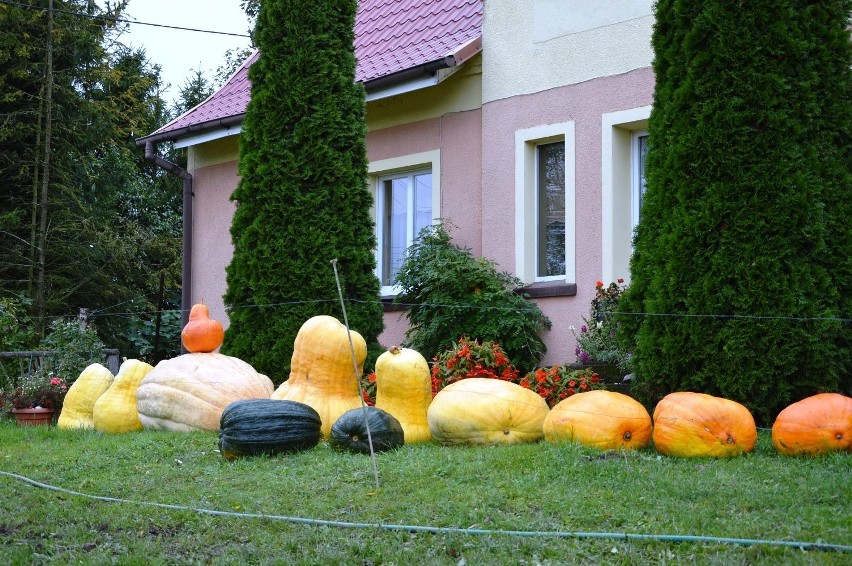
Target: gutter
point(186, 266)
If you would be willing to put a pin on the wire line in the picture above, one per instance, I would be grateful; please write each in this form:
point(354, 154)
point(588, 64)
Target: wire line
point(120, 20)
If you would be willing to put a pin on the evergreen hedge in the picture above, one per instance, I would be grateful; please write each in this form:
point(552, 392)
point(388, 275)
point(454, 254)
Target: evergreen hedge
point(742, 255)
point(302, 200)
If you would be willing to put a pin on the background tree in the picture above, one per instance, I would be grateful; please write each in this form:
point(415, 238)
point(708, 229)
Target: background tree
point(112, 223)
point(302, 200)
point(743, 249)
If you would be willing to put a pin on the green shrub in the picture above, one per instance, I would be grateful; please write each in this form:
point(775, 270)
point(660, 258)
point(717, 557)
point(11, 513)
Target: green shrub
point(448, 293)
point(742, 253)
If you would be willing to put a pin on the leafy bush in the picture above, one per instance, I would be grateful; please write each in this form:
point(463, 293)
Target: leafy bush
point(448, 293)
point(599, 339)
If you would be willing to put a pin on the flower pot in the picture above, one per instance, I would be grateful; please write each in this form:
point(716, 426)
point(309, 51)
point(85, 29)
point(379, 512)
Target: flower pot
point(33, 417)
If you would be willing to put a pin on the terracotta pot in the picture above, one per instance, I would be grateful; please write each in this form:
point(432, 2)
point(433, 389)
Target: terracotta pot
point(33, 417)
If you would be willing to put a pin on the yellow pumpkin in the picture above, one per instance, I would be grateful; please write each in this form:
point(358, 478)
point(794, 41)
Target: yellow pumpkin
point(191, 391)
point(818, 424)
point(404, 389)
point(600, 419)
point(81, 397)
point(322, 373)
point(480, 410)
point(690, 424)
point(115, 410)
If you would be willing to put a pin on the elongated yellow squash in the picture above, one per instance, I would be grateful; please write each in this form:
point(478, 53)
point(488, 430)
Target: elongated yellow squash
point(82, 395)
point(115, 410)
point(404, 389)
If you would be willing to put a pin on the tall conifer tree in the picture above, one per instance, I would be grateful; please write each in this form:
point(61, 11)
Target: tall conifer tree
point(302, 200)
point(742, 255)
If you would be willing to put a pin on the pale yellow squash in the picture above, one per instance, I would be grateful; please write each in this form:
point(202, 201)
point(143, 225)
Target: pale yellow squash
point(404, 389)
point(115, 410)
point(189, 392)
point(80, 399)
point(322, 373)
point(480, 410)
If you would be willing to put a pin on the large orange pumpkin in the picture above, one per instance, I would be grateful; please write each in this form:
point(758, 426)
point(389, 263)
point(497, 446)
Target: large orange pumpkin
point(605, 420)
point(696, 424)
point(815, 425)
point(201, 334)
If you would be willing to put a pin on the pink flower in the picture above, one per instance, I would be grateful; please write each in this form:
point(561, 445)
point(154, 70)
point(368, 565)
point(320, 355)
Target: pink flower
point(55, 381)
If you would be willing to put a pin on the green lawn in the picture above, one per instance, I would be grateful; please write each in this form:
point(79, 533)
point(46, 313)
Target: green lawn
point(539, 488)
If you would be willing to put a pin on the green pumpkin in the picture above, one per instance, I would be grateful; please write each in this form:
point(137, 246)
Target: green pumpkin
point(349, 432)
point(249, 427)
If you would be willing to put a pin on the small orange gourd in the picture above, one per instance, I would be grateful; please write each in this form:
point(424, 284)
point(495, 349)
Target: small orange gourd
point(815, 425)
point(202, 333)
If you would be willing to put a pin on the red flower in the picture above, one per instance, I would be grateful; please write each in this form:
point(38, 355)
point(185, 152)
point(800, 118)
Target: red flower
point(584, 386)
point(595, 378)
point(571, 391)
point(599, 284)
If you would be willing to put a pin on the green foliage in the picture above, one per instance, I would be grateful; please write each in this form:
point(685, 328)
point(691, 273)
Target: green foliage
point(743, 250)
point(302, 200)
point(73, 349)
point(112, 221)
point(448, 293)
point(598, 340)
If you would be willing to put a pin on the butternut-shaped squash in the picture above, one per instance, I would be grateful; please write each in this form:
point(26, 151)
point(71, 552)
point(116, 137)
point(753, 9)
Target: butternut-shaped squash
point(115, 410)
point(690, 424)
point(481, 410)
point(80, 399)
point(600, 419)
point(322, 373)
point(404, 389)
point(189, 392)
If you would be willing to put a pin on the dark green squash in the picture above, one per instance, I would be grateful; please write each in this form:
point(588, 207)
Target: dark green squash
point(349, 432)
point(249, 427)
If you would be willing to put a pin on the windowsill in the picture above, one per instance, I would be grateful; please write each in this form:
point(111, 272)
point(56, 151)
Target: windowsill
point(543, 289)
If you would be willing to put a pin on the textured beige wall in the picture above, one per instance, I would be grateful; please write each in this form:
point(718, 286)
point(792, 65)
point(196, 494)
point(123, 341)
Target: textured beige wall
point(535, 45)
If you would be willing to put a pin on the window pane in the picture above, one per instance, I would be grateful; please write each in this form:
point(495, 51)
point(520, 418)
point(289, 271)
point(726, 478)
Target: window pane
point(422, 202)
point(551, 209)
point(394, 233)
point(643, 152)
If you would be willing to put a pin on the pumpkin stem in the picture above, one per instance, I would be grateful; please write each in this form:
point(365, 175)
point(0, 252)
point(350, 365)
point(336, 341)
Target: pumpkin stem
point(627, 436)
point(394, 349)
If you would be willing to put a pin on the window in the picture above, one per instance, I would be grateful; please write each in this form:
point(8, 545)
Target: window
point(544, 203)
point(404, 205)
point(550, 171)
point(406, 197)
point(623, 150)
point(638, 152)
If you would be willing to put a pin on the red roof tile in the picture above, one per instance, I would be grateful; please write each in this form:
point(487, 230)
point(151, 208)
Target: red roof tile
point(390, 36)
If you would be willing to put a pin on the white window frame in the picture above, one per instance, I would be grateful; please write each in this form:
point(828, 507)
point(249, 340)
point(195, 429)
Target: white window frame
point(526, 200)
point(619, 189)
point(428, 161)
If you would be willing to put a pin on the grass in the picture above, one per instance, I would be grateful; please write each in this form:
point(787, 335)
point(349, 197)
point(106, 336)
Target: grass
point(536, 487)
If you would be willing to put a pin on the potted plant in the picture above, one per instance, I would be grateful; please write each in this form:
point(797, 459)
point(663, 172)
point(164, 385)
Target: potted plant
point(597, 343)
point(35, 398)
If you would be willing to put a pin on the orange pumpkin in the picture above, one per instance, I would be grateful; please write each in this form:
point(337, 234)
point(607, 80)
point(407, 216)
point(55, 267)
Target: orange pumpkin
point(201, 333)
point(815, 425)
point(696, 424)
point(600, 419)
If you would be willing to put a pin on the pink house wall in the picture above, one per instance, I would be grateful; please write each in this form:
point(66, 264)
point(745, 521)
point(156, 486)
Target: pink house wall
point(458, 137)
point(212, 249)
point(584, 104)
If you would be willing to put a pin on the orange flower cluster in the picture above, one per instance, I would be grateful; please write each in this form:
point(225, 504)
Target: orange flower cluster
point(558, 382)
point(471, 358)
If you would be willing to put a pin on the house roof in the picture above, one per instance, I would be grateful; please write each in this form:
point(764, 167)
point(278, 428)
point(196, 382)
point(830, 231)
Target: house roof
point(393, 40)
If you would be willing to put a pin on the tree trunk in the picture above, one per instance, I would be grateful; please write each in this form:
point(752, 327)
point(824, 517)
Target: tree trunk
point(45, 179)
